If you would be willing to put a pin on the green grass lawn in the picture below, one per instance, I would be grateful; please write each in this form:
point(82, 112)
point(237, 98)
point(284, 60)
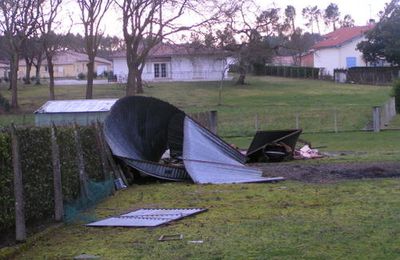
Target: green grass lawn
point(287, 220)
point(275, 102)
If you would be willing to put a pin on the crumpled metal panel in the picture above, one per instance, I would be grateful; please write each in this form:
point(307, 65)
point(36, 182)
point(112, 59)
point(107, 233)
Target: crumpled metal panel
point(262, 139)
point(146, 217)
point(209, 160)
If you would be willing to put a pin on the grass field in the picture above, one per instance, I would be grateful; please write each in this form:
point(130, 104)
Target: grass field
point(288, 220)
point(357, 219)
point(274, 103)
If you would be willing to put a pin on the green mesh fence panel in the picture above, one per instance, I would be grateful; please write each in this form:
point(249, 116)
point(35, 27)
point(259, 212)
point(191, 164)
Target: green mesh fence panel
point(97, 191)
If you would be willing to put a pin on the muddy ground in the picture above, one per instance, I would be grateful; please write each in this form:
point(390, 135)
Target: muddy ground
point(330, 172)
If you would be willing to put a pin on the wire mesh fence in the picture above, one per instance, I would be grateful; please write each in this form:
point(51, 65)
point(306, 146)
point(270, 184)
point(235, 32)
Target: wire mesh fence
point(241, 122)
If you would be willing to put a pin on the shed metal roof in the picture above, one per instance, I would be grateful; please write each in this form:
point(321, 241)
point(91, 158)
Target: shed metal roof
point(76, 106)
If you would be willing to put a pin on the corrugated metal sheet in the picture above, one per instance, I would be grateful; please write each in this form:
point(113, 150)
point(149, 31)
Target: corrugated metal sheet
point(146, 217)
point(209, 160)
point(76, 106)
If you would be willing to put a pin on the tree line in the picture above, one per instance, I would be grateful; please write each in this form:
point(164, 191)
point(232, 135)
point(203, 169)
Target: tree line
point(28, 30)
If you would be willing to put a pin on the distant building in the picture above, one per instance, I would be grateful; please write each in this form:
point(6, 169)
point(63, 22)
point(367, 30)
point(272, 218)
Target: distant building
point(68, 64)
point(172, 62)
point(4, 69)
point(283, 61)
point(338, 50)
point(67, 112)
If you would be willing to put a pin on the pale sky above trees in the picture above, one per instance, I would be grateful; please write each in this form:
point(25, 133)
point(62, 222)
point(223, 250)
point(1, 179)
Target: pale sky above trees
point(360, 11)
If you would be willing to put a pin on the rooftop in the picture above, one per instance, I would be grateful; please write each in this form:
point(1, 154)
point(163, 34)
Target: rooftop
point(341, 36)
point(76, 106)
point(164, 50)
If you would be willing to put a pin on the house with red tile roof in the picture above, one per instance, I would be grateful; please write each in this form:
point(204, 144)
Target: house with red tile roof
point(338, 50)
point(177, 62)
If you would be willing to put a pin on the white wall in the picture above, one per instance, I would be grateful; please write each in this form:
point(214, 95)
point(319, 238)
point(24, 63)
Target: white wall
point(179, 68)
point(335, 58)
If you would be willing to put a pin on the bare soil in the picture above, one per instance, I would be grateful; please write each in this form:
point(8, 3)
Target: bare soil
point(330, 172)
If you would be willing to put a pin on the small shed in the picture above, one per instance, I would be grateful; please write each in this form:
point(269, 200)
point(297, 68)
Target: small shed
point(67, 112)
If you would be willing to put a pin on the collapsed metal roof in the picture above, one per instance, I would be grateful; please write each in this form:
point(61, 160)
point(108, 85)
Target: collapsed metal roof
point(140, 129)
point(76, 106)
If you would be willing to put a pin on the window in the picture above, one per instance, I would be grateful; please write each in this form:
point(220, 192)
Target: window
point(351, 62)
point(160, 70)
point(163, 70)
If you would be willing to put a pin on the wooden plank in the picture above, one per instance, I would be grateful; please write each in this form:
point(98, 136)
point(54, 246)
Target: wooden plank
point(81, 164)
point(106, 166)
point(20, 225)
point(58, 195)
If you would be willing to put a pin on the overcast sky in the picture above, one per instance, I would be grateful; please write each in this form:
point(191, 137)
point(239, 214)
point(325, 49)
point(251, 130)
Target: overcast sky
point(360, 10)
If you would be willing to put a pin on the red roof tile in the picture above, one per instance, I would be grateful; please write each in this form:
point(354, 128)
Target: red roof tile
point(341, 36)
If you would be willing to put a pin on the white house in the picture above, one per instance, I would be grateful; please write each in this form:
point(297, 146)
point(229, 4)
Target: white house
point(338, 50)
point(167, 62)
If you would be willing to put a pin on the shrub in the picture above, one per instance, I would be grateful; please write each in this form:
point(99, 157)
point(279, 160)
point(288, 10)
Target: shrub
point(38, 174)
point(4, 104)
point(81, 76)
point(396, 94)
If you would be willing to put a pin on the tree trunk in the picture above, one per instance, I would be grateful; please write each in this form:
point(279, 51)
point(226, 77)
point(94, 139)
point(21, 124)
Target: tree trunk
point(27, 80)
point(14, 80)
point(139, 83)
point(50, 67)
point(131, 84)
point(37, 75)
point(242, 77)
point(90, 76)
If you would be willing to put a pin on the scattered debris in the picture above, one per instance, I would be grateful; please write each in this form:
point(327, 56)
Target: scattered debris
point(119, 184)
point(86, 257)
point(195, 241)
point(306, 152)
point(146, 217)
point(163, 238)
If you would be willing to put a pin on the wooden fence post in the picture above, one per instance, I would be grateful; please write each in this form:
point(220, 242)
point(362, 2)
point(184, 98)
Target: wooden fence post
point(297, 121)
point(335, 126)
point(107, 168)
point(81, 164)
point(213, 119)
point(20, 225)
point(376, 117)
point(256, 123)
point(58, 195)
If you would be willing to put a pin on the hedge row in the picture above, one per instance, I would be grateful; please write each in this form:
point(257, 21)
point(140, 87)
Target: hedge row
point(288, 71)
point(35, 153)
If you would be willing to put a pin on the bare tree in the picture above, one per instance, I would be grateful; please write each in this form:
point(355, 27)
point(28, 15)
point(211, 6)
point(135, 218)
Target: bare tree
point(254, 28)
point(313, 15)
point(147, 23)
point(92, 13)
point(50, 40)
point(18, 21)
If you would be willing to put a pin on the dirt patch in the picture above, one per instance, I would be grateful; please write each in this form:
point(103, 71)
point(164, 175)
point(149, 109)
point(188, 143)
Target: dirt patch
point(330, 172)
